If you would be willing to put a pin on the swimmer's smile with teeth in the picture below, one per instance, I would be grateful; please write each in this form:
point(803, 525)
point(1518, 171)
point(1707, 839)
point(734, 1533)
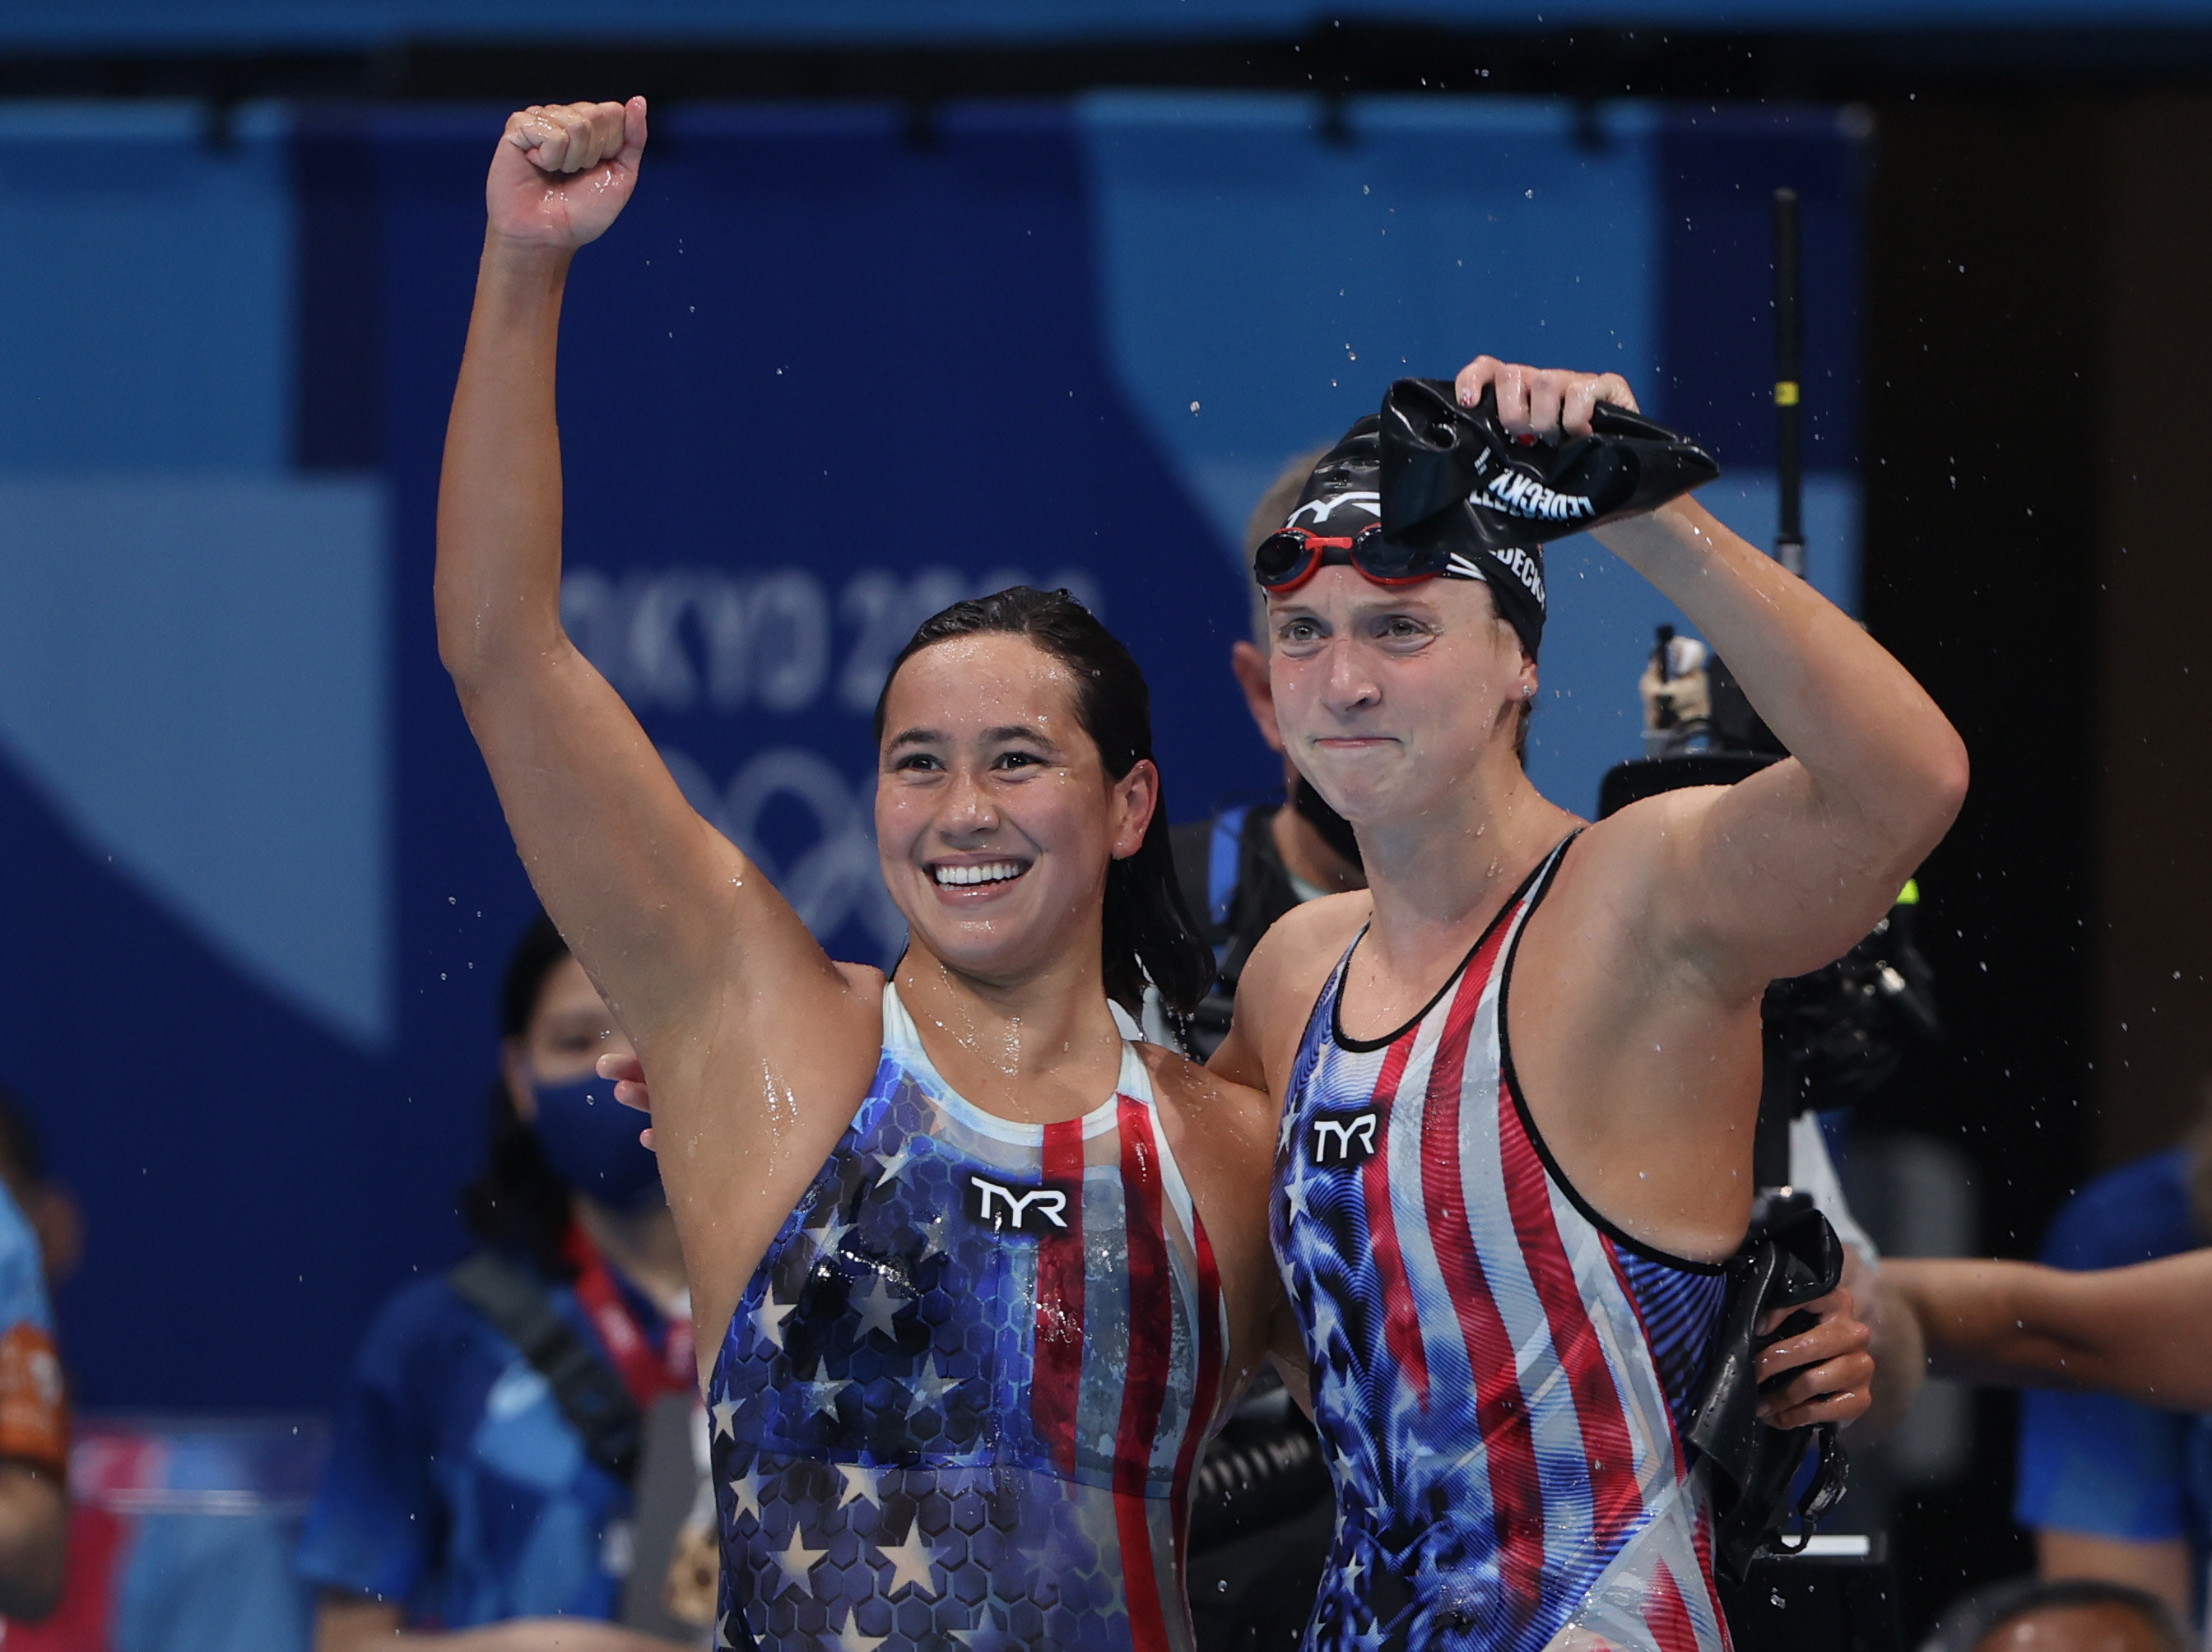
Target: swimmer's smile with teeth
point(982, 877)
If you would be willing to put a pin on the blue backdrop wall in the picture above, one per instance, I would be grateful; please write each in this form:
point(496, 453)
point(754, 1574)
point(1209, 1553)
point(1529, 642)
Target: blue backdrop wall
point(824, 377)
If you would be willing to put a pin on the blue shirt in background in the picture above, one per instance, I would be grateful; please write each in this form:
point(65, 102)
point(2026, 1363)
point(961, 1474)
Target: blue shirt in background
point(2099, 1466)
point(456, 1488)
point(22, 1272)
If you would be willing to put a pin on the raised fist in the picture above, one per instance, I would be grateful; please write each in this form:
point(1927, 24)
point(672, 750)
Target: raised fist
point(564, 172)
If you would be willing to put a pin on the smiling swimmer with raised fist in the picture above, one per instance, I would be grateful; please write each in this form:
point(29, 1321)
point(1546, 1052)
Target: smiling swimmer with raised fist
point(973, 1274)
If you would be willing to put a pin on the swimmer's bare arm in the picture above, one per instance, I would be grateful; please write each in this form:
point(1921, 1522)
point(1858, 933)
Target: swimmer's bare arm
point(1780, 874)
point(703, 964)
point(1223, 1137)
point(2144, 1333)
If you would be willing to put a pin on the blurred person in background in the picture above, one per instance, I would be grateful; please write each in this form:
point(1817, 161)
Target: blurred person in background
point(38, 1234)
point(2111, 1489)
point(168, 1581)
point(462, 1495)
point(2026, 1614)
point(1247, 864)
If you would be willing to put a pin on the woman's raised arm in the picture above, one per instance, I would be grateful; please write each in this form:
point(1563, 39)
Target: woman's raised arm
point(703, 963)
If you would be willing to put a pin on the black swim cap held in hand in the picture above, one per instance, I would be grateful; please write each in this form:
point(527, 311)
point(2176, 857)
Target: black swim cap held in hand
point(1430, 489)
point(1452, 480)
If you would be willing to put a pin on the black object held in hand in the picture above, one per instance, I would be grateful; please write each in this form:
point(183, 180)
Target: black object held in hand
point(1791, 1257)
point(1788, 364)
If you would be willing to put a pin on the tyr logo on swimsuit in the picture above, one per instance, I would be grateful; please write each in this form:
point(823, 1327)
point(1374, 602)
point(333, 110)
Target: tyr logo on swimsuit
point(1000, 1206)
point(1346, 1139)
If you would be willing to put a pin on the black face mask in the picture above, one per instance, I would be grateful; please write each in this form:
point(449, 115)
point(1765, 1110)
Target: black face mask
point(1335, 830)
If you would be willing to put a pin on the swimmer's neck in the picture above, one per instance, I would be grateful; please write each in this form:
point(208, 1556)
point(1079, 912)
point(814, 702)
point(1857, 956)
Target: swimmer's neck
point(1436, 879)
point(642, 1247)
point(1038, 1047)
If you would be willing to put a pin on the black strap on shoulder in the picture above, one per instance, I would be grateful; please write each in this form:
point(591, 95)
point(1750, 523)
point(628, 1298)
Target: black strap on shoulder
point(590, 1395)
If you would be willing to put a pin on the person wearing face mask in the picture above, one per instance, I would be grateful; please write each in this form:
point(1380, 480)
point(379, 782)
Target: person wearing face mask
point(468, 1502)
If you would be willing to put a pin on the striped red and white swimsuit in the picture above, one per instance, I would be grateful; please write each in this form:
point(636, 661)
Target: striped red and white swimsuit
point(960, 1403)
point(1498, 1374)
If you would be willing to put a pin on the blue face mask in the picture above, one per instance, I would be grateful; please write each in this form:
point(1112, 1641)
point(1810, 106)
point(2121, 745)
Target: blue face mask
point(591, 1140)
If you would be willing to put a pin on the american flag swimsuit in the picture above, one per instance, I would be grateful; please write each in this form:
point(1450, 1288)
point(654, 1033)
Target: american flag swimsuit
point(961, 1400)
point(1498, 1374)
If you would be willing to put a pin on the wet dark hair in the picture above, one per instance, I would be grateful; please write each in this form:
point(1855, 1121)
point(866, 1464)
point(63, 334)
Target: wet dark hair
point(517, 1204)
point(1149, 931)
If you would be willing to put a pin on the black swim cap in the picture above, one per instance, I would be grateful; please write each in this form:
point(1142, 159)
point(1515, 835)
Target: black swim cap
point(1345, 494)
point(1452, 480)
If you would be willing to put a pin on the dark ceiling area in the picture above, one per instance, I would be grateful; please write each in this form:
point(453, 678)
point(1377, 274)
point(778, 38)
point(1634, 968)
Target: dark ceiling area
point(1347, 58)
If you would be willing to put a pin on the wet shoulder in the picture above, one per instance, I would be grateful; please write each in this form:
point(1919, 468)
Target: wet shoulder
point(1631, 852)
point(1207, 1117)
point(1294, 958)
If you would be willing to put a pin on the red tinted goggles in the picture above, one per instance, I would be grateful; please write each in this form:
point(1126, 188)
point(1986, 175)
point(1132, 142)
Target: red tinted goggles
point(1288, 558)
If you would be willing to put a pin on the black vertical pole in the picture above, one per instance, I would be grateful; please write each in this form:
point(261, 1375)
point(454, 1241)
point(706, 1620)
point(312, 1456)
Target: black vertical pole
point(1788, 451)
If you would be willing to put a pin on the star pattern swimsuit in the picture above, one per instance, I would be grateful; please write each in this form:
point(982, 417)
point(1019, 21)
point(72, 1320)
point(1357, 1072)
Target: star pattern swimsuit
point(1498, 1373)
point(960, 1402)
